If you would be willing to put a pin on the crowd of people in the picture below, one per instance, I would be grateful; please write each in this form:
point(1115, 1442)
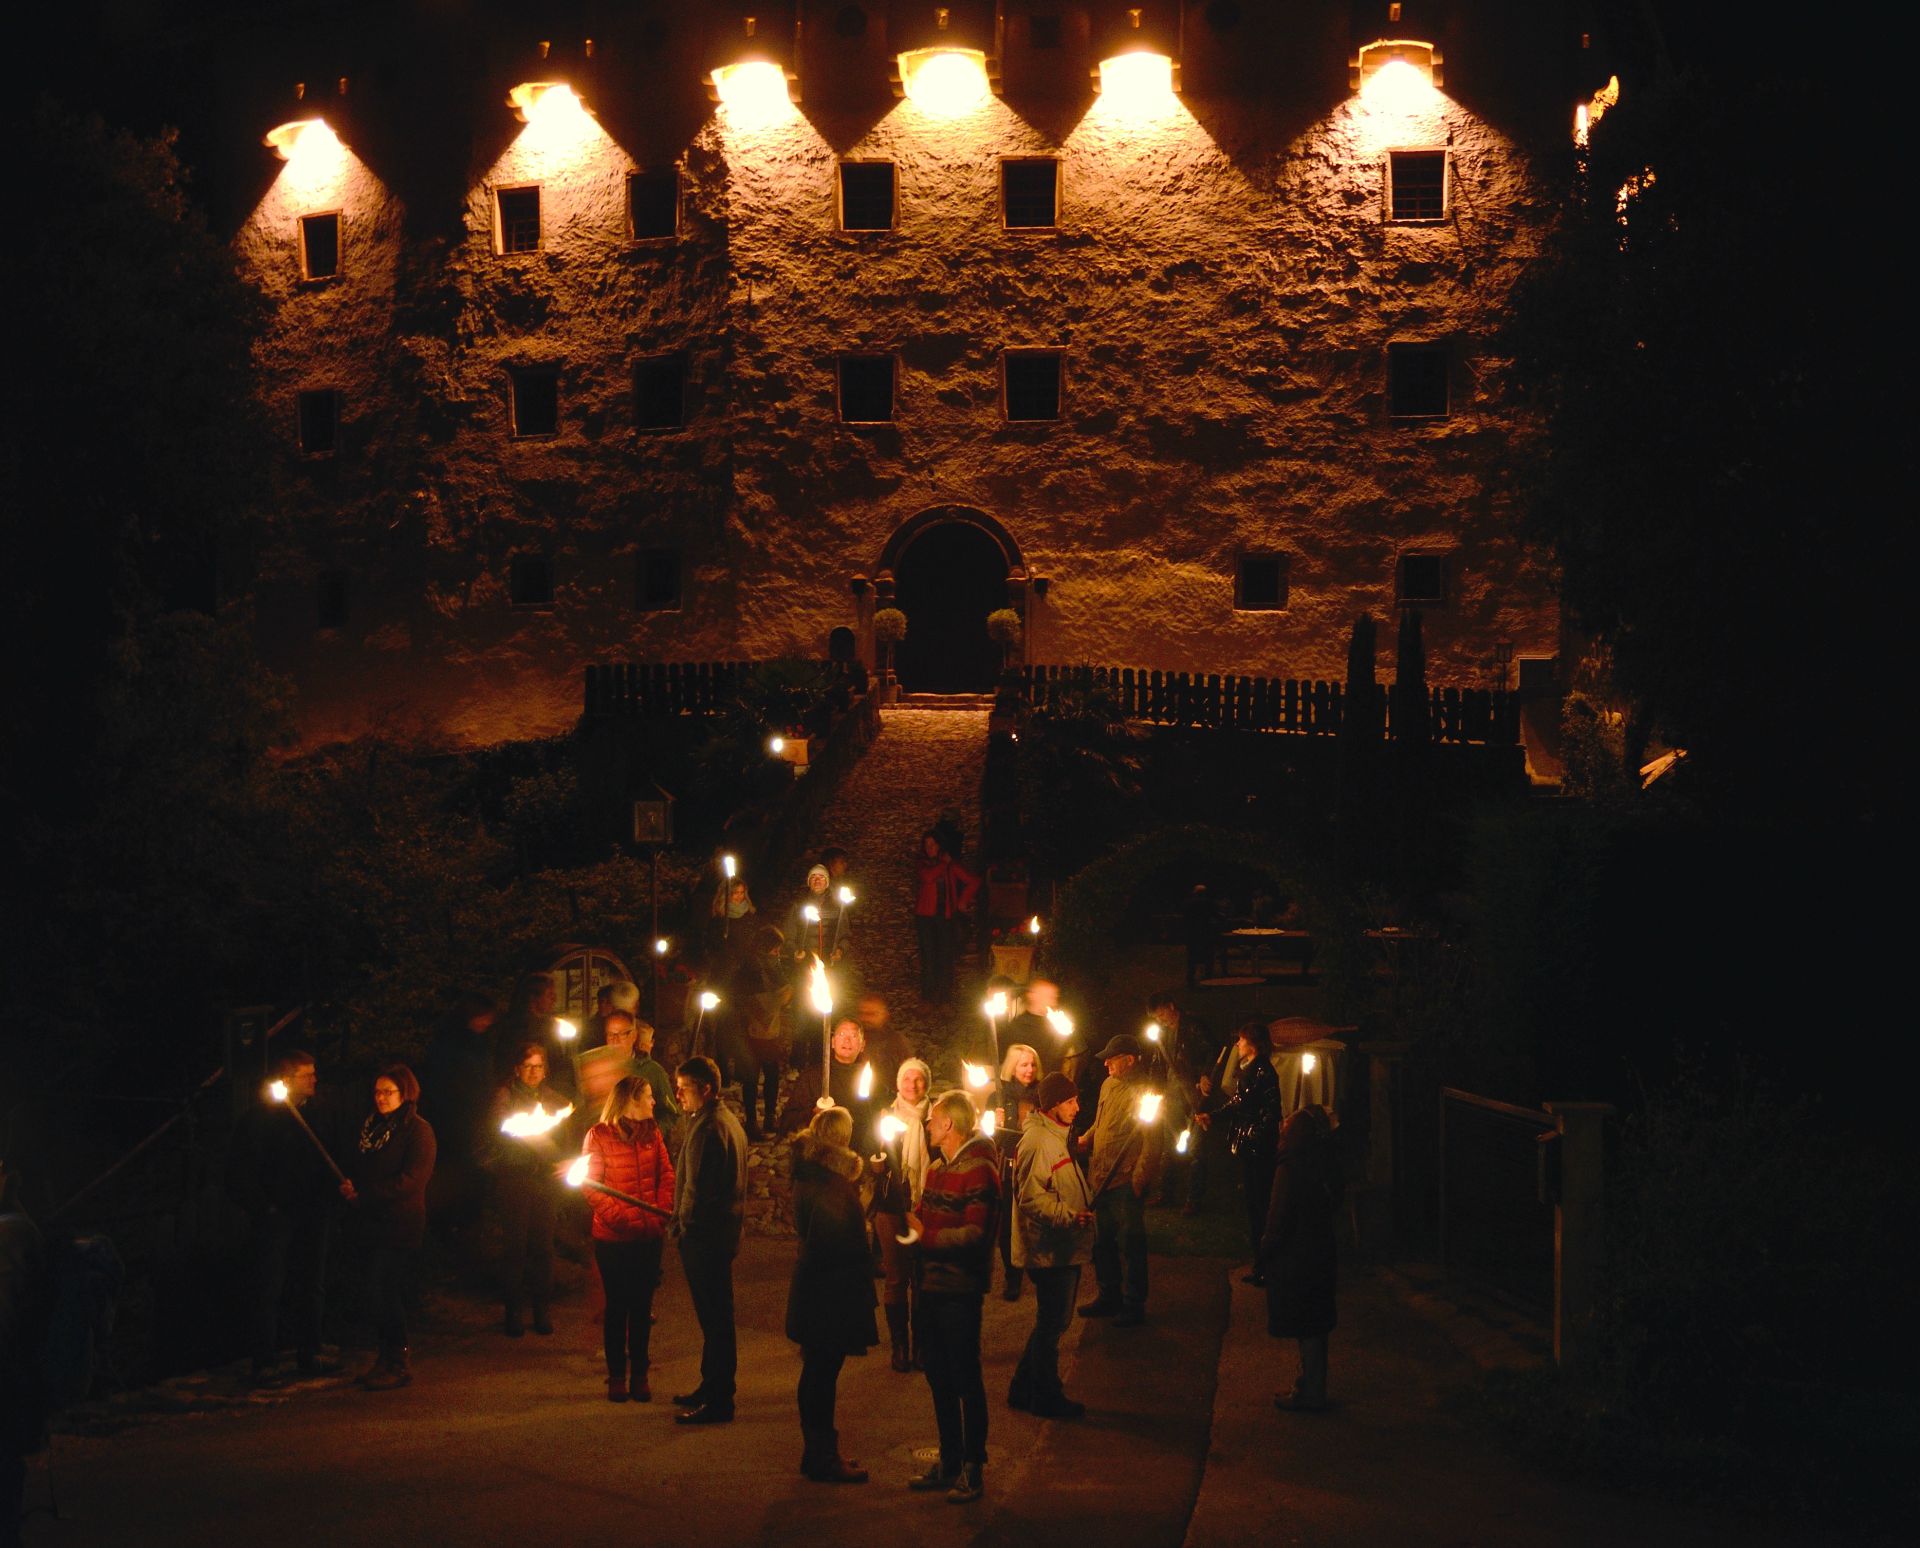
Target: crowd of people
point(1042, 1160)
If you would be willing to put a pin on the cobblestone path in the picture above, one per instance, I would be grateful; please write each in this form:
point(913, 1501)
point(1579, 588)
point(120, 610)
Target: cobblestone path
point(923, 763)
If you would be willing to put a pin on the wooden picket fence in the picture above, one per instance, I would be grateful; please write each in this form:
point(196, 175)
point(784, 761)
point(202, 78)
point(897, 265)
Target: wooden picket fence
point(1300, 706)
point(657, 688)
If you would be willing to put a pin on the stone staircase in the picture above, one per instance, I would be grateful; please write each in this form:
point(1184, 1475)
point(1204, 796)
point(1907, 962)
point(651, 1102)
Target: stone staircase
point(927, 760)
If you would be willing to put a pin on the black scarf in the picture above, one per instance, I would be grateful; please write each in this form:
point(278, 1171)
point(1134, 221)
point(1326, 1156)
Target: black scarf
point(381, 1127)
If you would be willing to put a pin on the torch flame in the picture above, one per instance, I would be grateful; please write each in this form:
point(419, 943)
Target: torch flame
point(811, 914)
point(1060, 1022)
point(533, 1124)
point(1149, 1108)
point(819, 991)
point(1180, 1145)
point(661, 946)
point(708, 999)
point(996, 1005)
point(729, 865)
point(1033, 925)
point(889, 1128)
point(278, 1091)
point(564, 1029)
point(989, 1121)
point(776, 745)
point(976, 1075)
point(863, 1087)
point(577, 1173)
point(1153, 1031)
point(1307, 1062)
point(845, 895)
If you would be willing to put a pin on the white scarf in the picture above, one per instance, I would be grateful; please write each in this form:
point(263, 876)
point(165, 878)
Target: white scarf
point(914, 1155)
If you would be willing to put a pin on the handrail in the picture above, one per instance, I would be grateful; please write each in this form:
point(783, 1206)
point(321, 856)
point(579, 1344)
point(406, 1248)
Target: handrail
point(152, 1139)
point(1531, 1114)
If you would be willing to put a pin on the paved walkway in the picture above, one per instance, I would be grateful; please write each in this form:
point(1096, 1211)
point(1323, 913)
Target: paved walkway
point(923, 763)
point(513, 1443)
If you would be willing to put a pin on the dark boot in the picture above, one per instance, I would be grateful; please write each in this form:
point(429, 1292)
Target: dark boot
point(1010, 1291)
point(902, 1341)
point(828, 1465)
point(398, 1373)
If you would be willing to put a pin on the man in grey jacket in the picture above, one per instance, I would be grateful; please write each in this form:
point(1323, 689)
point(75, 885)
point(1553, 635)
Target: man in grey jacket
point(710, 1189)
point(1052, 1238)
point(1125, 1161)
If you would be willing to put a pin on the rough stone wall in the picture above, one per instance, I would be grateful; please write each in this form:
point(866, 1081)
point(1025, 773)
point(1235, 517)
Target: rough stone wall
point(1222, 279)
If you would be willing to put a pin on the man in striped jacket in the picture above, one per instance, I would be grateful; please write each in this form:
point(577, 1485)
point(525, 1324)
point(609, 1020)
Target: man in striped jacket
point(957, 1222)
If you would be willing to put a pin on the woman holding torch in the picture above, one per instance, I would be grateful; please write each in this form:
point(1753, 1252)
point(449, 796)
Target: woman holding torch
point(904, 1153)
point(387, 1191)
point(525, 1112)
point(624, 1151)
point(830, 1302)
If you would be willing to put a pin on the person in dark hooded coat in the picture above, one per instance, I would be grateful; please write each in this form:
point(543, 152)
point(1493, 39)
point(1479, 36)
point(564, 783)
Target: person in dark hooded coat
point(1297, 1255)
point(831, 1302)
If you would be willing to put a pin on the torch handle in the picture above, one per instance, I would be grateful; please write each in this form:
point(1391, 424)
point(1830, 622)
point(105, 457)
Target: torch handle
point(325, 1155)
point(628, 1198)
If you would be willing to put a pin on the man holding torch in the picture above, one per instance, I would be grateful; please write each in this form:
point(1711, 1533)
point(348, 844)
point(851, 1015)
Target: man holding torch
point(283, 1175)
point(1126, 1159)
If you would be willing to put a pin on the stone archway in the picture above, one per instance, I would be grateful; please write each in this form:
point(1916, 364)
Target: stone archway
point(950, 566)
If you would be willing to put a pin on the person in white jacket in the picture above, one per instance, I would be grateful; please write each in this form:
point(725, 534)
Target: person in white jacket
point(1052, 1238)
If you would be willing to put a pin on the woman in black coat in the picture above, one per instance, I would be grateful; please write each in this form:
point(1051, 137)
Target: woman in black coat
point(1297, 1254)
point(390, 1168)
point(830, 1305)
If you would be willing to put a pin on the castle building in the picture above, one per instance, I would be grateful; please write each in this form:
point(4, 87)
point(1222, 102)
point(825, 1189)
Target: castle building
point(704, 332)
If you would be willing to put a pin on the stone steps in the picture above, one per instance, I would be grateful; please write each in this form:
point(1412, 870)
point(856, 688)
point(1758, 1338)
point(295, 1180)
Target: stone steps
point(944, 701)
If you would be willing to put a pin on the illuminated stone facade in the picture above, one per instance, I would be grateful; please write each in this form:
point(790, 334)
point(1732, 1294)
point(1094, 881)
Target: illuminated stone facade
point(1224, 281)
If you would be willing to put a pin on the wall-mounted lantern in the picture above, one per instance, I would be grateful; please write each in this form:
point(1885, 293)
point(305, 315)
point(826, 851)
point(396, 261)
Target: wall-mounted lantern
point(1390, 66)
point(949, 60)
point(1139, 53)
point(754, 82)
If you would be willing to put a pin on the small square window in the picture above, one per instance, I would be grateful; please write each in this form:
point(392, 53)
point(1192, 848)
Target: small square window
point(1421, 580)
point(1416, 185)
point(660, 392)
point(319, 246)
point(536, 400)
point(866, 196)
point(653, 204)
point(1261, 585)
point(1030, 193)
point(330, 600)
point(657, 581)
point(517, 222)
point(530, 581)
point(866, 389)
point(319, 421)
point(1417, 381)
point(1031, 379)
point(1043, 31)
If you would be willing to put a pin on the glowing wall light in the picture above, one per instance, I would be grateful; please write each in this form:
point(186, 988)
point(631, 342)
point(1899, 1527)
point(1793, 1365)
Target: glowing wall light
point(754, 89)
point(1138, 81)
point(1396, 73)
point(1138, 72)
point(754, 86)
point(308, 144)
point(548, 105)
point(945, 82)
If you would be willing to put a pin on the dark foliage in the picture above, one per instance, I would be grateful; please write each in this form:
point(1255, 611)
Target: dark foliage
point(1720, 401)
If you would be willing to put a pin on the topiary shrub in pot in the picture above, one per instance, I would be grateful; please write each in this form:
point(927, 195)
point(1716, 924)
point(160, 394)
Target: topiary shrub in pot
point(1004, 629)
point(889, 629)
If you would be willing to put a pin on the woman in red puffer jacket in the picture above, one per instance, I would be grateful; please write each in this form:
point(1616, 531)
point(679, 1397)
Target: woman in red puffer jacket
point(625, 1152)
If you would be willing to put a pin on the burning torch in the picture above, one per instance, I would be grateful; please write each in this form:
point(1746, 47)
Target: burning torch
point(278, 1091)
point(820, 992)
